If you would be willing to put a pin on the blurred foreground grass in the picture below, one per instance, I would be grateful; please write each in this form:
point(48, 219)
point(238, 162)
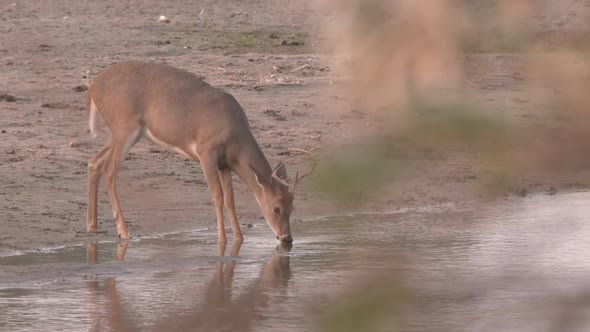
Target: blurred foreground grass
point(403, 50)
point(367, 308)
point(431, 128)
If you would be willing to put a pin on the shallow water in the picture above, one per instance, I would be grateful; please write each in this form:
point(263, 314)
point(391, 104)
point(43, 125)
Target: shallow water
point(518, 265)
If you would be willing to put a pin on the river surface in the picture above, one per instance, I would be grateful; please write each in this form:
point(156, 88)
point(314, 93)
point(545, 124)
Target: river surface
point(515, 265)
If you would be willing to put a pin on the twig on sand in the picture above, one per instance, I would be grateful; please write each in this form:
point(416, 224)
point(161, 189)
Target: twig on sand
point(300, 68)
point(302, 151)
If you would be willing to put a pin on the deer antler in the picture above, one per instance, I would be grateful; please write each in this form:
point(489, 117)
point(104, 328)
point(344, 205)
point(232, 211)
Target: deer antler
point(276, 177)
point(299, 178)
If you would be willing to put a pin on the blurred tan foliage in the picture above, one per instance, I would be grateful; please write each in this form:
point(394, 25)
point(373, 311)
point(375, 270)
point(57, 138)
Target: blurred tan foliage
point(407, 68)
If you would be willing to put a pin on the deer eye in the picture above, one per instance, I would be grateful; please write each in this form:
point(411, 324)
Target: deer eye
point(277, 210)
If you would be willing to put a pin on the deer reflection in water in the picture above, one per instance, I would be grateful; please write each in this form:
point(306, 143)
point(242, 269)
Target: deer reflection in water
point(116, 318)
point(217, 311)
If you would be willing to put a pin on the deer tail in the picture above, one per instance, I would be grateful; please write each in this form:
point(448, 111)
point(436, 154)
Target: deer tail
point(93, 113)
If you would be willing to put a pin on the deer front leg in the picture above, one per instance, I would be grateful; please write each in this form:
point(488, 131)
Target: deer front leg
point(230, 206)
point(210, 170)
point(110, 174)
point(111, 182)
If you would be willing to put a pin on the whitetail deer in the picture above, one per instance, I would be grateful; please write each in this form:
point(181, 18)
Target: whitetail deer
point(180, 111)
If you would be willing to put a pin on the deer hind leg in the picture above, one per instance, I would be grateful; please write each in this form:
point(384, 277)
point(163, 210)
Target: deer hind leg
point(210, 169)
point(230, 206)
point(120, 145)
point(94, 175)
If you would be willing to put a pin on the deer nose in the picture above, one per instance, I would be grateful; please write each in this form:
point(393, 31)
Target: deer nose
point(286, 239)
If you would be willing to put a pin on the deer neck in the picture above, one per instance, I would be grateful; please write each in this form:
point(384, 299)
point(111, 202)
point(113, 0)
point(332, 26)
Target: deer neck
point(252, 156)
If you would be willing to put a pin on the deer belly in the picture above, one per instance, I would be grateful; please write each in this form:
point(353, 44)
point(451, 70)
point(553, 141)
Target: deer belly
point(189, 151)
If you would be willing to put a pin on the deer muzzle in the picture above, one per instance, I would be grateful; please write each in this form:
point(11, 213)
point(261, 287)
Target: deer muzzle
point(286, 238)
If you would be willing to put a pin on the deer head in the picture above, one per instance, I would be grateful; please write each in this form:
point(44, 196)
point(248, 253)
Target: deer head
point(276, 201)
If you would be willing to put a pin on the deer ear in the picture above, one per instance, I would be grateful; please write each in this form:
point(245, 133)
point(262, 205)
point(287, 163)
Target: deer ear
point(262, 180)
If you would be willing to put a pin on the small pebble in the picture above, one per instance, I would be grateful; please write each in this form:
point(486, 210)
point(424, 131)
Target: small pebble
point(7, 97)
point(163, 19)
point(80, 88)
